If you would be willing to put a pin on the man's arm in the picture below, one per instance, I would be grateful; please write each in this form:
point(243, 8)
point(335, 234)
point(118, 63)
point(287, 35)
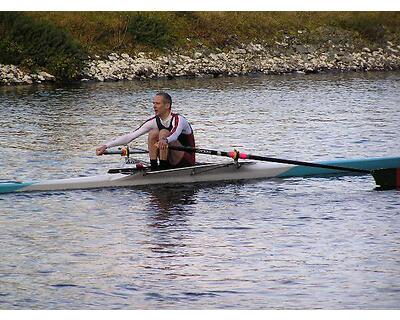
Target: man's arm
point(126, 138)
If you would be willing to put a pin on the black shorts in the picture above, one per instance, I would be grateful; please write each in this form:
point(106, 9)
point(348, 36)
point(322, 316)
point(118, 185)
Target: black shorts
point(186, 161)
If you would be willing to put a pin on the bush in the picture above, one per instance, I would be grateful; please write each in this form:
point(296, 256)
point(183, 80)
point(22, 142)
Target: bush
point(44, 44)
point(10, 51)
point(150, 30)
point(66, 68)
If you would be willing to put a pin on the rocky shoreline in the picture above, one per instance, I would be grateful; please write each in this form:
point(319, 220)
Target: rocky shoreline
point(280, 58)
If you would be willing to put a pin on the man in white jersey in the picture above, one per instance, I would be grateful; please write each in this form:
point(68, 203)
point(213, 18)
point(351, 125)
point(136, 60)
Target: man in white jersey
point(165, 128)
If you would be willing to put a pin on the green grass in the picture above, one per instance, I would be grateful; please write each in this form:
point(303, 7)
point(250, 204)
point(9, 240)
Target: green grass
point(135, 31)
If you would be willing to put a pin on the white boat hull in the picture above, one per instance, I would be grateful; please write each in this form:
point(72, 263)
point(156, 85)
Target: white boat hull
point(201, 173)
point(206, 173)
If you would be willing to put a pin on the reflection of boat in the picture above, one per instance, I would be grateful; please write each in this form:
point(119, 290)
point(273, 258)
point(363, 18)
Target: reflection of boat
point(230, 171)
point(170, 201)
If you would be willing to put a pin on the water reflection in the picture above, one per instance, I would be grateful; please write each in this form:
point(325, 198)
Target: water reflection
point(170, 200)
point(170, 208)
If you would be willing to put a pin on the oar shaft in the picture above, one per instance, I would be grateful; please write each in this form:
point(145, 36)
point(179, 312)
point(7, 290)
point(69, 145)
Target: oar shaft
point(202, 151)
point(238, 155)
point(308, 164)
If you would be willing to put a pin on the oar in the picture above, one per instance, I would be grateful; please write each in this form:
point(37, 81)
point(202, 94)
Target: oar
point(388, 178)
point(125, 151)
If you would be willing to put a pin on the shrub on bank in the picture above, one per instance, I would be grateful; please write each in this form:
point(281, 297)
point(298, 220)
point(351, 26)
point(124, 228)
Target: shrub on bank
point(148, 29)
point(32, 44)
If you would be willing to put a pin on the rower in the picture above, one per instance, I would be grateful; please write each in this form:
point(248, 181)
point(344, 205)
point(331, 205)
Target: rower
point(165, 128)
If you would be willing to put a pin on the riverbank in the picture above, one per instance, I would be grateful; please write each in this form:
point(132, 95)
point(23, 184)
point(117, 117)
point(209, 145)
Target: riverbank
point(131, 46)
point(248, 59)
point(280, 58)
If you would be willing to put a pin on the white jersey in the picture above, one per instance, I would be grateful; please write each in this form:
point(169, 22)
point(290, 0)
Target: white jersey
point(175, 123)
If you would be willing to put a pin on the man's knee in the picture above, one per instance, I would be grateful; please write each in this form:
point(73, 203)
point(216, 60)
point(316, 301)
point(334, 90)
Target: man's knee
point(163, 133)
point(154, 135)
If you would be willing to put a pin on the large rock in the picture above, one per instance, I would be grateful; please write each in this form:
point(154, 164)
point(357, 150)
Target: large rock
point(46, 76)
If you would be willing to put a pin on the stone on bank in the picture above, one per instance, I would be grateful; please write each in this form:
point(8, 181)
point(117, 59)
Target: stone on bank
point(278, 58)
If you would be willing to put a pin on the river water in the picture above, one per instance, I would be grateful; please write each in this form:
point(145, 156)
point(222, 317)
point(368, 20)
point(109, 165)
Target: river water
point(331, 243)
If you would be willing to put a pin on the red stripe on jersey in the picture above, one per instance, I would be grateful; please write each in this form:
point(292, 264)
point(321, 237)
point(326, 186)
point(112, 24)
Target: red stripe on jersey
point(175, 116)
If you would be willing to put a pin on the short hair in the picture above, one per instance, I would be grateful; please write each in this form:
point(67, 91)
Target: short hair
point(166, 97)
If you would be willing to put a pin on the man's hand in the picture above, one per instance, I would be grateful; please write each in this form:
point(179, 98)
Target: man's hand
point(162, 144)
point(100, 150)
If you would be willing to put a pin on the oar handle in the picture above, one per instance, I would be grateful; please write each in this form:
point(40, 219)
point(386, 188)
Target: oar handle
point(124, 152)
point(238, 155)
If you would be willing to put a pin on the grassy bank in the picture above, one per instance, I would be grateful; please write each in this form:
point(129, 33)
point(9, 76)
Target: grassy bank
point(58, 41)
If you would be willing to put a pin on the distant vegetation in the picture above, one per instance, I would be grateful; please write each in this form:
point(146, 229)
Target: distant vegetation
point(32, 43)
point(59, 41)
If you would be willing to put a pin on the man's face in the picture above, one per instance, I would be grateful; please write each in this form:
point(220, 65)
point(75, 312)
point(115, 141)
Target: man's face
point(160, 108)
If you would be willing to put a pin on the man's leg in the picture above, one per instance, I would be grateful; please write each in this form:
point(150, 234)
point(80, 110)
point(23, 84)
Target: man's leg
point(153, 150)
point(163, 154)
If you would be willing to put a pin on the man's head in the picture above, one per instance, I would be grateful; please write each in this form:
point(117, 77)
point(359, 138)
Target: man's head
point(166, 98)
point(162, 103)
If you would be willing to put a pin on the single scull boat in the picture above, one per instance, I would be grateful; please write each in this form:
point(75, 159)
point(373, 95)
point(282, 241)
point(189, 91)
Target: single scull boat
point(139, 175)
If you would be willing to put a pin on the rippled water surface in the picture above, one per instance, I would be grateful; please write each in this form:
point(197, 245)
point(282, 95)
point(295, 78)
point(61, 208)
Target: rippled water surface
point(331, 243)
